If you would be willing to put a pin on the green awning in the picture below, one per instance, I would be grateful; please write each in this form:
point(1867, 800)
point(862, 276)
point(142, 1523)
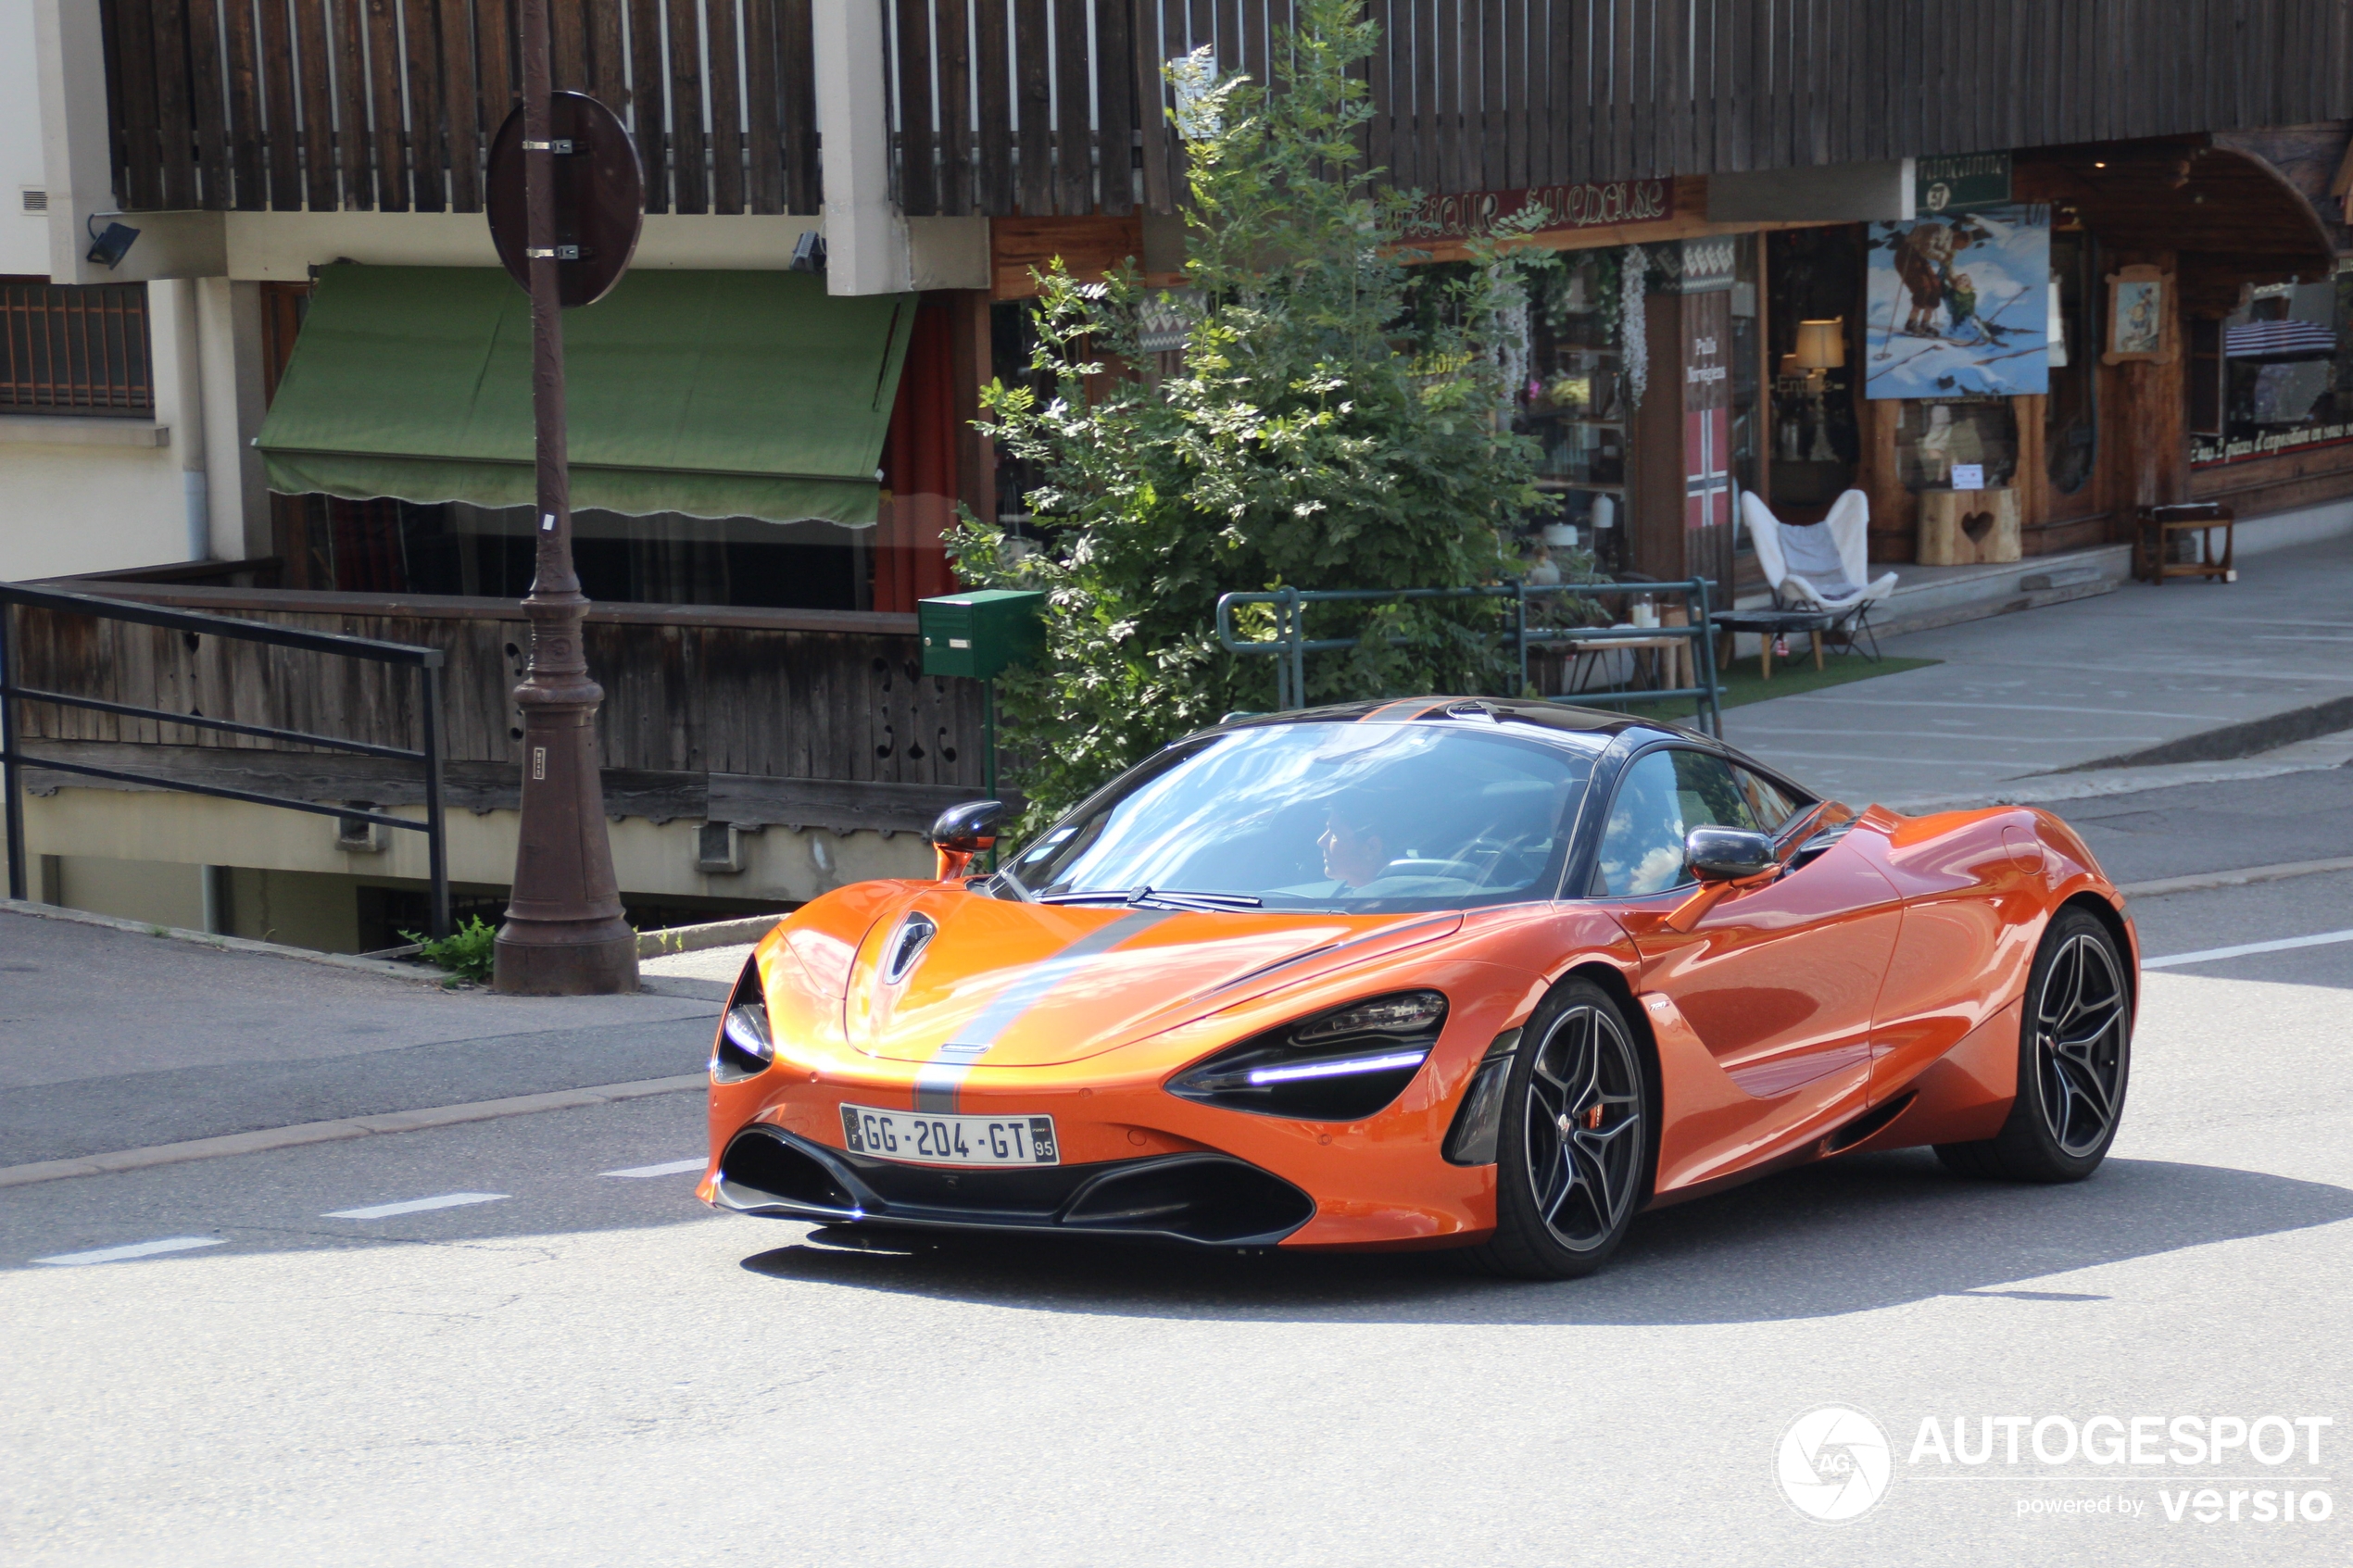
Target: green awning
point(716, 394)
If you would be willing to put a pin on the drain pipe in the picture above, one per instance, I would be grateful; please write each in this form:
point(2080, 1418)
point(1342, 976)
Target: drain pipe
point(172, 303)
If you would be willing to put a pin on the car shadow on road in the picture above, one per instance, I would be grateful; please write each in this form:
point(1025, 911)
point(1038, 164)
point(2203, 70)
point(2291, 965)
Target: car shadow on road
point(1849, 1237)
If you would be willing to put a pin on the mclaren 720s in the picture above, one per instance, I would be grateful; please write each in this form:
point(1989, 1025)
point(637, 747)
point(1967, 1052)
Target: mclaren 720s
point(1445, 972)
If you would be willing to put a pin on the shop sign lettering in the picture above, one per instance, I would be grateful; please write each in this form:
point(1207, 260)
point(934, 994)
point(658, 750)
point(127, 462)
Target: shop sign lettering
point(2205, 451)
point(1586, 206)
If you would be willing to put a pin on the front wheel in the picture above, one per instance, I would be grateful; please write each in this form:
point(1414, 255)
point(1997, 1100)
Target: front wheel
point(2074, 1056)
point(1573, 1159)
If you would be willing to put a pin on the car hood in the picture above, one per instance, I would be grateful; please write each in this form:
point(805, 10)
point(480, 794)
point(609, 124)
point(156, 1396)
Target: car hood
point(1037, 985)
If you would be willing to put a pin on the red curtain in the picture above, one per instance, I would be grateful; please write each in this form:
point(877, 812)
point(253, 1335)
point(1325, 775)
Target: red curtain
point(918, 471)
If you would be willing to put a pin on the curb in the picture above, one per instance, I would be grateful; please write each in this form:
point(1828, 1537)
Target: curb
point(2201, 881)
point(650, 944)
point(2231, 742)
point(303, 1133)
point(414, 973)
point(2333, 750)
point(718, 933)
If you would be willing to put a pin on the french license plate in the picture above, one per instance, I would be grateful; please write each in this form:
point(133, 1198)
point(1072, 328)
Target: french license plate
point(950, 1140)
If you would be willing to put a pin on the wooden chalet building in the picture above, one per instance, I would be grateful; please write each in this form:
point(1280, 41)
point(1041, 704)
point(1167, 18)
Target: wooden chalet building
point(299, 386)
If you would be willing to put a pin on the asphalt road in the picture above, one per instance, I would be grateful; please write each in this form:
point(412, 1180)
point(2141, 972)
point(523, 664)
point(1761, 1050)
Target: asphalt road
point(579, 1367)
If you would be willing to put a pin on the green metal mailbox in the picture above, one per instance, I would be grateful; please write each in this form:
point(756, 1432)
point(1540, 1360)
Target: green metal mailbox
point(982, 633)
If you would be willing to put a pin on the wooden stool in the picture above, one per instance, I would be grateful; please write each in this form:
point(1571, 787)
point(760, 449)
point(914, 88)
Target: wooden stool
point(2156, 528)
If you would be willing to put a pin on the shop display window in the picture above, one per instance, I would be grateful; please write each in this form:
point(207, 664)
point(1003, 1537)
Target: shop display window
point(1934, 435)
point(1571, 398)
point(2071, 412)
point(1813, 276)
point(2283, 372)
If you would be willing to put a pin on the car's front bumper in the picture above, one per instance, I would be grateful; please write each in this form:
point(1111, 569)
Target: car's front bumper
point(1206, 1198)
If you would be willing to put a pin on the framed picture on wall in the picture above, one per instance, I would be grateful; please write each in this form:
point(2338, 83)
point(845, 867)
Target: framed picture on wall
point(2140, 325)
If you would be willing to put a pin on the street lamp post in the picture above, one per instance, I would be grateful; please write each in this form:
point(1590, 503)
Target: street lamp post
point(564, 935)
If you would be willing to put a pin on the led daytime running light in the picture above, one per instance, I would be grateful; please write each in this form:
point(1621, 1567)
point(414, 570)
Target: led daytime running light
point(748, 1027)
point(1338, 1069)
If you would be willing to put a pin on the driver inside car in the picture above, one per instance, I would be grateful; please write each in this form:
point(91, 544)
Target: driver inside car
point(1354, 845)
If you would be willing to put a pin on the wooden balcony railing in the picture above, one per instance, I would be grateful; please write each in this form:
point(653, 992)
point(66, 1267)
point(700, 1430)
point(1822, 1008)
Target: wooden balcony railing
point(749, 716)
point(391, 104)
point(1054, 106)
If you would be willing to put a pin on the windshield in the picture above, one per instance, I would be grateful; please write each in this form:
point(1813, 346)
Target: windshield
point(1364, 818)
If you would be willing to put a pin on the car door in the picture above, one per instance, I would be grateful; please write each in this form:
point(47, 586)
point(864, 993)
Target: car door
point(1778, 982)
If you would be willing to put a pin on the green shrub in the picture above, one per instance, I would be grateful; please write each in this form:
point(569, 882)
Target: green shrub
point(1330, 426)
point(465, 952)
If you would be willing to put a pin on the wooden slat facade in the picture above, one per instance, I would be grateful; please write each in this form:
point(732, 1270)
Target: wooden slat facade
point(1047, 107)
point(391, 104)
point(1500, 94)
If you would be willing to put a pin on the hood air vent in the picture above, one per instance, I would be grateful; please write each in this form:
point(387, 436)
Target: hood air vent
point(907, 945)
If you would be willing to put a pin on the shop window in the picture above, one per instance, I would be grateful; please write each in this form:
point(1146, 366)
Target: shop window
point(74, 349)
point(2284, 370)
point(2071, 412)
point(1813, 277)
point(1934, 435)
point(1570, 398)
point(1747, 379)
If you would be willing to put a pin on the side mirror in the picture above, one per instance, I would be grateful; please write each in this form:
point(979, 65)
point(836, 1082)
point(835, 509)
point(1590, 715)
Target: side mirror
point(1727, 854)
point(962, 830)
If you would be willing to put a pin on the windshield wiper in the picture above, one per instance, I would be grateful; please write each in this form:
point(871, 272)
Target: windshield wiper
point(1164, 897)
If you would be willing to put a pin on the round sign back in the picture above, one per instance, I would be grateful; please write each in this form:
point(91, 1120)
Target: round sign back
point(601, 197)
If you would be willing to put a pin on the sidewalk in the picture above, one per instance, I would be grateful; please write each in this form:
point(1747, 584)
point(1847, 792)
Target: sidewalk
point(2186, 673)
point(111, 1040)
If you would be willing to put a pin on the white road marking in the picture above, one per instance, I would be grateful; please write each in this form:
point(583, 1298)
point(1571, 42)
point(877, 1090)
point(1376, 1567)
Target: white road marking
point(416, 1206)
point(1956, 734)
point(136, 1249)
point(675, 1168)
point(1765, 749)
point(2208, 954)
point(1993, 706)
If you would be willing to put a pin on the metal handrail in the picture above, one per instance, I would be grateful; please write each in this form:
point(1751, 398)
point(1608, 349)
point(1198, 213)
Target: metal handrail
point(425, 661)
point(1290, 645)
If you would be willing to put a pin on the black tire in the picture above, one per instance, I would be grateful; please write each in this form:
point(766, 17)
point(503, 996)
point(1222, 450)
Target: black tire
point(1579, 1133)
point(2074, 1060)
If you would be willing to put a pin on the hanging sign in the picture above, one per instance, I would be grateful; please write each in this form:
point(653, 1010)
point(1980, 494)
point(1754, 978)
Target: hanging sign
point(1960, 183)
point(1590, 205)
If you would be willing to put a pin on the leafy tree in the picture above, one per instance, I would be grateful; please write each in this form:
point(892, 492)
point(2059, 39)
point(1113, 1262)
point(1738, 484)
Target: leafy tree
point(1330, 425)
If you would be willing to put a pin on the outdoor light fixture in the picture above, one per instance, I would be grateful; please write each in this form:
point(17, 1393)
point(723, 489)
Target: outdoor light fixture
point(108, 247)
point(807, 252)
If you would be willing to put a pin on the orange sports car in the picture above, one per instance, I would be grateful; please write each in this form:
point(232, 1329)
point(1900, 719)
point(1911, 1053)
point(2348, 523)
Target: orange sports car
point(1444, 972)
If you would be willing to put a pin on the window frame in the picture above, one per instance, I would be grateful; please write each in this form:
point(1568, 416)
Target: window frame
point(1586, 858)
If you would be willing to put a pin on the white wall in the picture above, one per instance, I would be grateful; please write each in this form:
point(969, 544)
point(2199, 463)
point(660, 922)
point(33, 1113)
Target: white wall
point(24, 242)
point(97, 494)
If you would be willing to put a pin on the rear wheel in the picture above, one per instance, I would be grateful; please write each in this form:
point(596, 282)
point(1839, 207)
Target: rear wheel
point(1573, 1159)
point(2074, 1056)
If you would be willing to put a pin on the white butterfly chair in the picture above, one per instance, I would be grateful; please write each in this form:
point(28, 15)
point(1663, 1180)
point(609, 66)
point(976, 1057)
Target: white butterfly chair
point(1819, 566)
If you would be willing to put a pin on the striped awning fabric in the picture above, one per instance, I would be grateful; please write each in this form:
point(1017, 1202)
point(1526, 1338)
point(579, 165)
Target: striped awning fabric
point(2250, 340)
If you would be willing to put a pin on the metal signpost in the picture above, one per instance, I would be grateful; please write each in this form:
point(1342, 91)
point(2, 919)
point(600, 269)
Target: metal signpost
point(582, 206)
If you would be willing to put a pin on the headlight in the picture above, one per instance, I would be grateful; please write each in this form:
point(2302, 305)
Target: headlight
point(1338, 1066)
point(746, 1046)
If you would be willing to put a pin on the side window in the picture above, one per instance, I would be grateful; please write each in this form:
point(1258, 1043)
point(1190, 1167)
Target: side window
point(1768, 803)
point(1661, 798)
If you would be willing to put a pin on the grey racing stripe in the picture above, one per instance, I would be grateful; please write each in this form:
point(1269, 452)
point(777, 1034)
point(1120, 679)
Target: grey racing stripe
point(939, 1079)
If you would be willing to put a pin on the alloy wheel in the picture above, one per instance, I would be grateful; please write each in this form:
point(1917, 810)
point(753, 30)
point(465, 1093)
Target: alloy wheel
point(1585, 1128)
point(2079, 1026)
